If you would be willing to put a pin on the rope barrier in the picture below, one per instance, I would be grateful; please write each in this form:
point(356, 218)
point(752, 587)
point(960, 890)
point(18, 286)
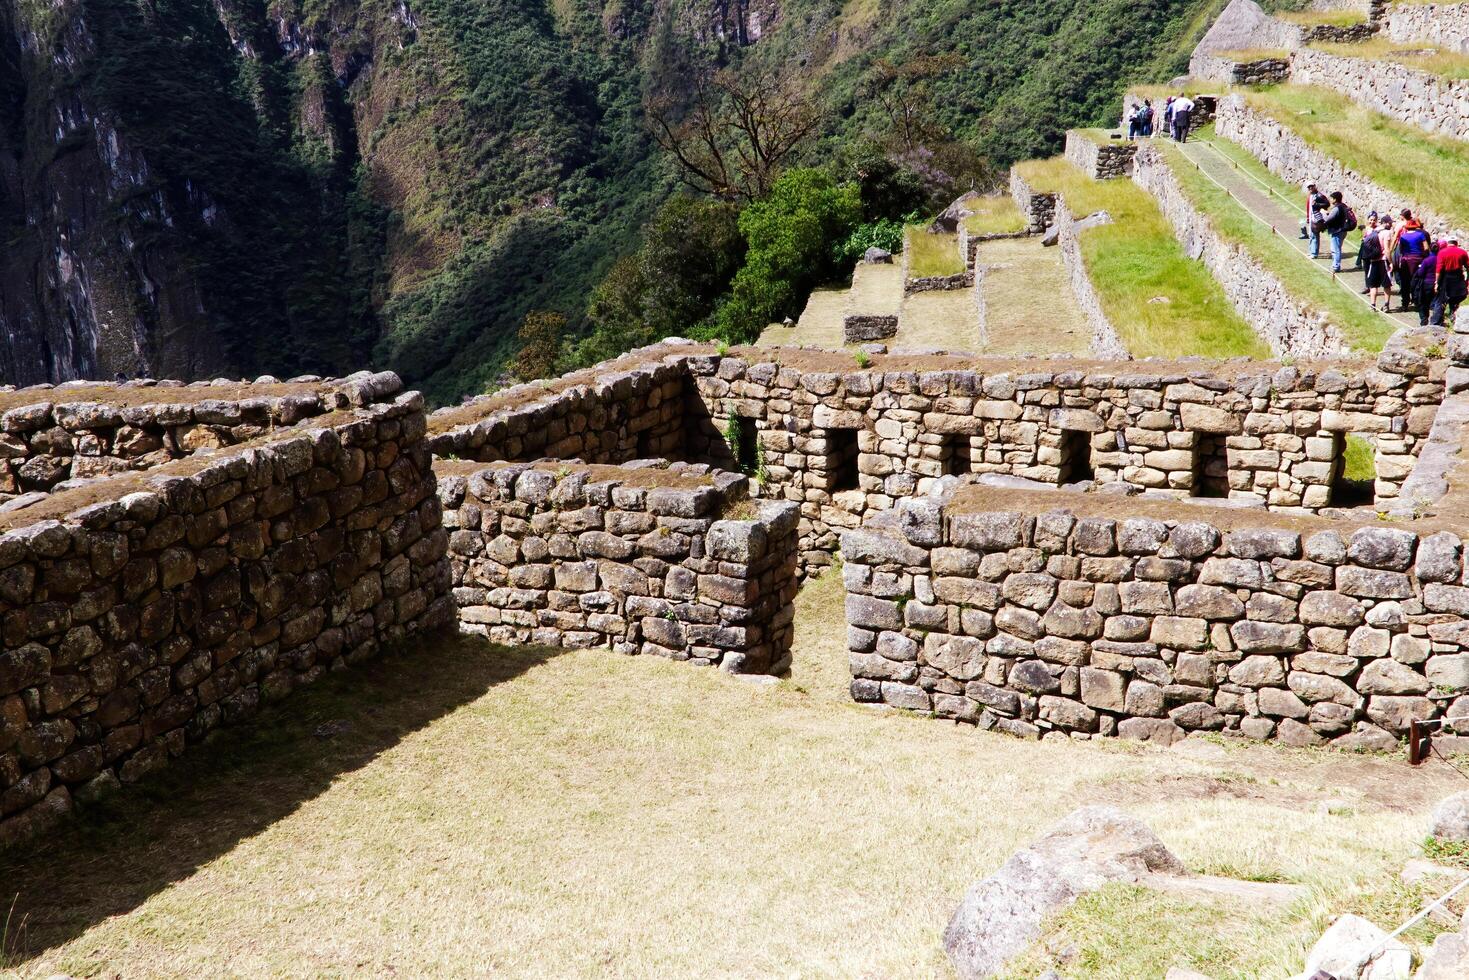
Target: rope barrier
point(1419, 917)
point(1230, 194)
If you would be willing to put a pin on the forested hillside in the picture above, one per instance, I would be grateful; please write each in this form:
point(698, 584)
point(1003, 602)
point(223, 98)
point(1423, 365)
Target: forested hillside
point(190, 187)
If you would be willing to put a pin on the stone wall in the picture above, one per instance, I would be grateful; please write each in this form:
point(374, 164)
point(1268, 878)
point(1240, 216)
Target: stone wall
point(187, 598)
point(674, 563)
point(1100, 161)
point(629, 408)
point(51, 434)
point(861, 328)
point(1258, 434)
point(1016, 614)
point(969, 244)
point(1439, 25)
point(1038, 208)
point(1233, 71)
point(1289, 325)
point(1289, 156)
point(1430, 102)
point(1105, 340)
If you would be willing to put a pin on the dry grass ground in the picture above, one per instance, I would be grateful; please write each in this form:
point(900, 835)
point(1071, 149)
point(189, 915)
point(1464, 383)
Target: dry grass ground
point(994, 214)
point(945, 318)
point(1436, 61)
point(820, 323)
point(1029, 305)
point(932, 253)
point(529, 813)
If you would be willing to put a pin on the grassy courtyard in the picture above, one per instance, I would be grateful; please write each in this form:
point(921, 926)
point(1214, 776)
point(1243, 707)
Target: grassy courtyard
point(463, 809)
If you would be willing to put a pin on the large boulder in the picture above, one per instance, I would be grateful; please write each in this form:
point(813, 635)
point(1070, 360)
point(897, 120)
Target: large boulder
point(1451, 818)
point(1355, 949)
point(1002, 915)
point(948, 221)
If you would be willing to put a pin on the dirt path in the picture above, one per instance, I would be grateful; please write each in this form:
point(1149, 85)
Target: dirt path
point(1029, 306)
point(1269, 208)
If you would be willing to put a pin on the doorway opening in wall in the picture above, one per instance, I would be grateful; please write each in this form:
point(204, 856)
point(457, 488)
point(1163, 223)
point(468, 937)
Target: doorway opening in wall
point(841, 459)
point(743, 439)
point(1076, 456)
point(957, 455)
point(1355, 471)
point(1211, 465)
point(645, 445)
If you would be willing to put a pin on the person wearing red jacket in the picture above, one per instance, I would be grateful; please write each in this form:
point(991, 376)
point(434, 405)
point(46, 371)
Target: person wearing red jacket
point(1453, 264)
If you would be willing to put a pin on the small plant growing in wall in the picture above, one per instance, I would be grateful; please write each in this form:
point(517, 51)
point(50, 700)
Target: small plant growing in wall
point(722, 347)
point(862, 358)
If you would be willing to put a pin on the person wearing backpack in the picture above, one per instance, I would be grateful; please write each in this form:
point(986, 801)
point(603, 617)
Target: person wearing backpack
point(1316, 202)
point(1337, 220)
point(1409, 248)
point(1146, 115)
point(1374, 264)
point(1425, 283)
point(1452, 265)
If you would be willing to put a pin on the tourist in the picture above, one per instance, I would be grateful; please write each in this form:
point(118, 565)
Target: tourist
point(1135, 122)
point(1386, 235)
point(1168, 116)
point(1425, 284)
point(1147, 117)
point(1337, 221)
point(1181, 110)
point(1374, 264)
point(1316, 203)
point(1452, 264)
point(1410, 245)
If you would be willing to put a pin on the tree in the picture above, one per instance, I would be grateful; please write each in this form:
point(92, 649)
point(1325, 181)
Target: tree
point(540, 343)
point(791, 234)
point(904, 92)
point(738, 133)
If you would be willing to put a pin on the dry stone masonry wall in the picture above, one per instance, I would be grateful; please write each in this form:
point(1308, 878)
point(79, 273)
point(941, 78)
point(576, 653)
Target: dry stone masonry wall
point(1288, 325)
point(1105, 340)
point(52, 434)
point(639, 560)
point(1231, 71)
point(1100, 161)
point(134, 626)
point(1038, 208)
point(1155, 625)
point(1440, 25)
point(1431, 102)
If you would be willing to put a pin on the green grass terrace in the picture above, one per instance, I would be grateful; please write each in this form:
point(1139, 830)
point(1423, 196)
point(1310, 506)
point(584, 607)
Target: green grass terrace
point(1363, 329)
point(1162, 303)
point(995, 214)
point(931, 254)
point(1397, 156)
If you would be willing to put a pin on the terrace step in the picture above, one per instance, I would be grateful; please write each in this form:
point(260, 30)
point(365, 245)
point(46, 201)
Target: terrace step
point(1400, 87)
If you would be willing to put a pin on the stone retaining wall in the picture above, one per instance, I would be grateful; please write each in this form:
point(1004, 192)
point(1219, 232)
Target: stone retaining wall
point(861, 328)
point(969, 244)
point(1229, 71)
point(1439, 25)
point(1430, 102)
point(640, 560)
point(51, 434)
point(1290, 326)
point(1105, 340)
point(1100, 161)
point(1039, 209)
point(1038, 621)
point(1292, 159)
point(136, 625)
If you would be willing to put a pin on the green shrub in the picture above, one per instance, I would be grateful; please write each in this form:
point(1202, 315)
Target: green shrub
point(885, 233)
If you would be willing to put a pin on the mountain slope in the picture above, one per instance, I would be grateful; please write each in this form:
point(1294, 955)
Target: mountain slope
point(191, 187)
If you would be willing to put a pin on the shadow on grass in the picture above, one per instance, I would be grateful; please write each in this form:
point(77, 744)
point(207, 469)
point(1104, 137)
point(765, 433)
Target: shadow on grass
point(118, 853)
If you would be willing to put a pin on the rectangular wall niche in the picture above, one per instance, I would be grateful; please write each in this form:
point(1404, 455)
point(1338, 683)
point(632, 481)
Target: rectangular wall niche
point(1354, 471)
point(841, 459)
point(743, 437)
point(958, 455)
point(1211, 465)
point(1076, 456)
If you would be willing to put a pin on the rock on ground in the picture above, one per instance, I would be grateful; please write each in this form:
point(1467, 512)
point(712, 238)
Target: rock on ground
point(1447, 959)
point(1349, 950)
point(1451, 818)
point(1001, 915)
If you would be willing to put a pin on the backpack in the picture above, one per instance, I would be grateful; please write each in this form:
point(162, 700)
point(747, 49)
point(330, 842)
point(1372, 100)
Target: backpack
point(1371, 250)
point(1349, 220)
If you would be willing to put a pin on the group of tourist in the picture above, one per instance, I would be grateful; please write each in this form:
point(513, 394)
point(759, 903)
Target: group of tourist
point(1429, 272)
point(1176, 115)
